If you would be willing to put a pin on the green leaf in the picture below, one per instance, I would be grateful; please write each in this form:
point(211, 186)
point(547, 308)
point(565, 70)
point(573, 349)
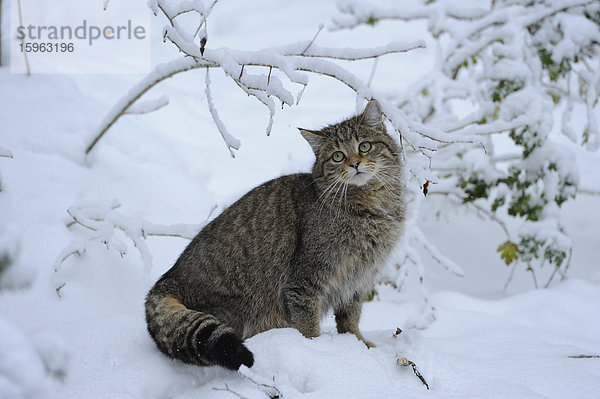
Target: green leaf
point(508, 252)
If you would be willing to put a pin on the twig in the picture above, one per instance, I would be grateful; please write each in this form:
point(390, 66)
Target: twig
point(373, 70)
point(278, 393)
point(405, 362)
point(64, 258)
point(563, 274)
point(226, 389)
point(321, 26)
point(60, 287)
point(5, 153)
point(478, 208)
point(76, 220)
point(584, 357)
point(530, 269)
point(510, 276)
point(552, 276)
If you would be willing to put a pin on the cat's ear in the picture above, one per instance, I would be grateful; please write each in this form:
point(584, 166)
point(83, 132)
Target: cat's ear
point(372, 115)
point(315, 139)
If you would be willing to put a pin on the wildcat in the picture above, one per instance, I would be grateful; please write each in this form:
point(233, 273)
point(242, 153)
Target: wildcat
point(287, 251)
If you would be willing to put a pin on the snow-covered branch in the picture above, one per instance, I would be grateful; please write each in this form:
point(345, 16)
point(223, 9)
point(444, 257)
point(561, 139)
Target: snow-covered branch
point(99, 223)
point(146, 107)
point(292, 61)
point(5, 153)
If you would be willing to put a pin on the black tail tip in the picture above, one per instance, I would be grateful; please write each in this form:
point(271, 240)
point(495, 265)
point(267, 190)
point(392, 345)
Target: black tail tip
point(230, 352)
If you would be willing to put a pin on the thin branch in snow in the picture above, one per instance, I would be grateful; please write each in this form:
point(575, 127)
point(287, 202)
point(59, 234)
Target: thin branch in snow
point(271, 390)
point(227, 389)
point(75, 248)
point(5, 153)
point(530, 269)
point(563, 274)
point(405, 362)
point(480, 210)
point(510, 275)
point(321, 26)
point(373, 70)
point(60, 287)
point(231, 142)
point(448, 264)
point(584, 357)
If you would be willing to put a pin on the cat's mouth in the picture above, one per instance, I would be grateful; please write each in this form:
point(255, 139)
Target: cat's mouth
point(360, 178)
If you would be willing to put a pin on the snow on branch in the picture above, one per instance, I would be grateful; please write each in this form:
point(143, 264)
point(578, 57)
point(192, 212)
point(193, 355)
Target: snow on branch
point(148, 106)
point(232, 142)
point(160, 73)
point(294, 62)
point(99, 223)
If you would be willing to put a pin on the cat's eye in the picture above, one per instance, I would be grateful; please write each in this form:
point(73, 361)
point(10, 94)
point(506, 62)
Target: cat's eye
point(338, 156)
point(365, 146)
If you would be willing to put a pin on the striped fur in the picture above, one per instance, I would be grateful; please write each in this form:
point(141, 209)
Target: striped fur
point(192, 336)
point(287, 252)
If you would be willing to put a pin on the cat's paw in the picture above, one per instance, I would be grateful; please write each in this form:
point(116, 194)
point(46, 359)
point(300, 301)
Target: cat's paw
point(230, 352)
point(369, 344)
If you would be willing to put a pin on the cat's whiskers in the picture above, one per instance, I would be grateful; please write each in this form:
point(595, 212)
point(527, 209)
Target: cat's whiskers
point(328, 192)
point(382, 178)
point(342, 197)
point(327, 189)
point(342, 178)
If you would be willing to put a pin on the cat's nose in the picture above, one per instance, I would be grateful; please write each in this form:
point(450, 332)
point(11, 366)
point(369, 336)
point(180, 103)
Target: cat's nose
point(355, 164)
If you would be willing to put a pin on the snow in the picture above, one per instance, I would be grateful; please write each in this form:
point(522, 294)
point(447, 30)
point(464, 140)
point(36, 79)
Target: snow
point(156, 179)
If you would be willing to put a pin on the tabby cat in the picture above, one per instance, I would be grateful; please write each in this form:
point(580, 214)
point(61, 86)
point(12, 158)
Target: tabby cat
point(288, 251)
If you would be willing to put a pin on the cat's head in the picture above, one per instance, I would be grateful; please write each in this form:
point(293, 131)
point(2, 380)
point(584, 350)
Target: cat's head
point(356, 152)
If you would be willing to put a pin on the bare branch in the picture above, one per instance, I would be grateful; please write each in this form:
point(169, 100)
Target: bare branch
point(321, 26)
point(405, 362)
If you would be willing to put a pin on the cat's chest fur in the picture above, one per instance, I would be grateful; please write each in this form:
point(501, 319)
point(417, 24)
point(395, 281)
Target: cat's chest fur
point(358, 257)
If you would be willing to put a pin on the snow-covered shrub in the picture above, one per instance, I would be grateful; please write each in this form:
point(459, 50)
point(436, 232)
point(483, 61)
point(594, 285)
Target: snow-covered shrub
point(510, 66)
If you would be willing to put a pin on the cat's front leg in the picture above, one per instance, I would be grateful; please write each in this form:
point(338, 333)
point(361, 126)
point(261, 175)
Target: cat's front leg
point(304, 312)
point(347, 317)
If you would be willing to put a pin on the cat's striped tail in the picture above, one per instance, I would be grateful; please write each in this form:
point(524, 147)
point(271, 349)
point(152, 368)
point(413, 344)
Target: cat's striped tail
point(191, 336)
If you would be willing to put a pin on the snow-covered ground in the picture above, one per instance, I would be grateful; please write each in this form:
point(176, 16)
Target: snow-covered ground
point(79, 332)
